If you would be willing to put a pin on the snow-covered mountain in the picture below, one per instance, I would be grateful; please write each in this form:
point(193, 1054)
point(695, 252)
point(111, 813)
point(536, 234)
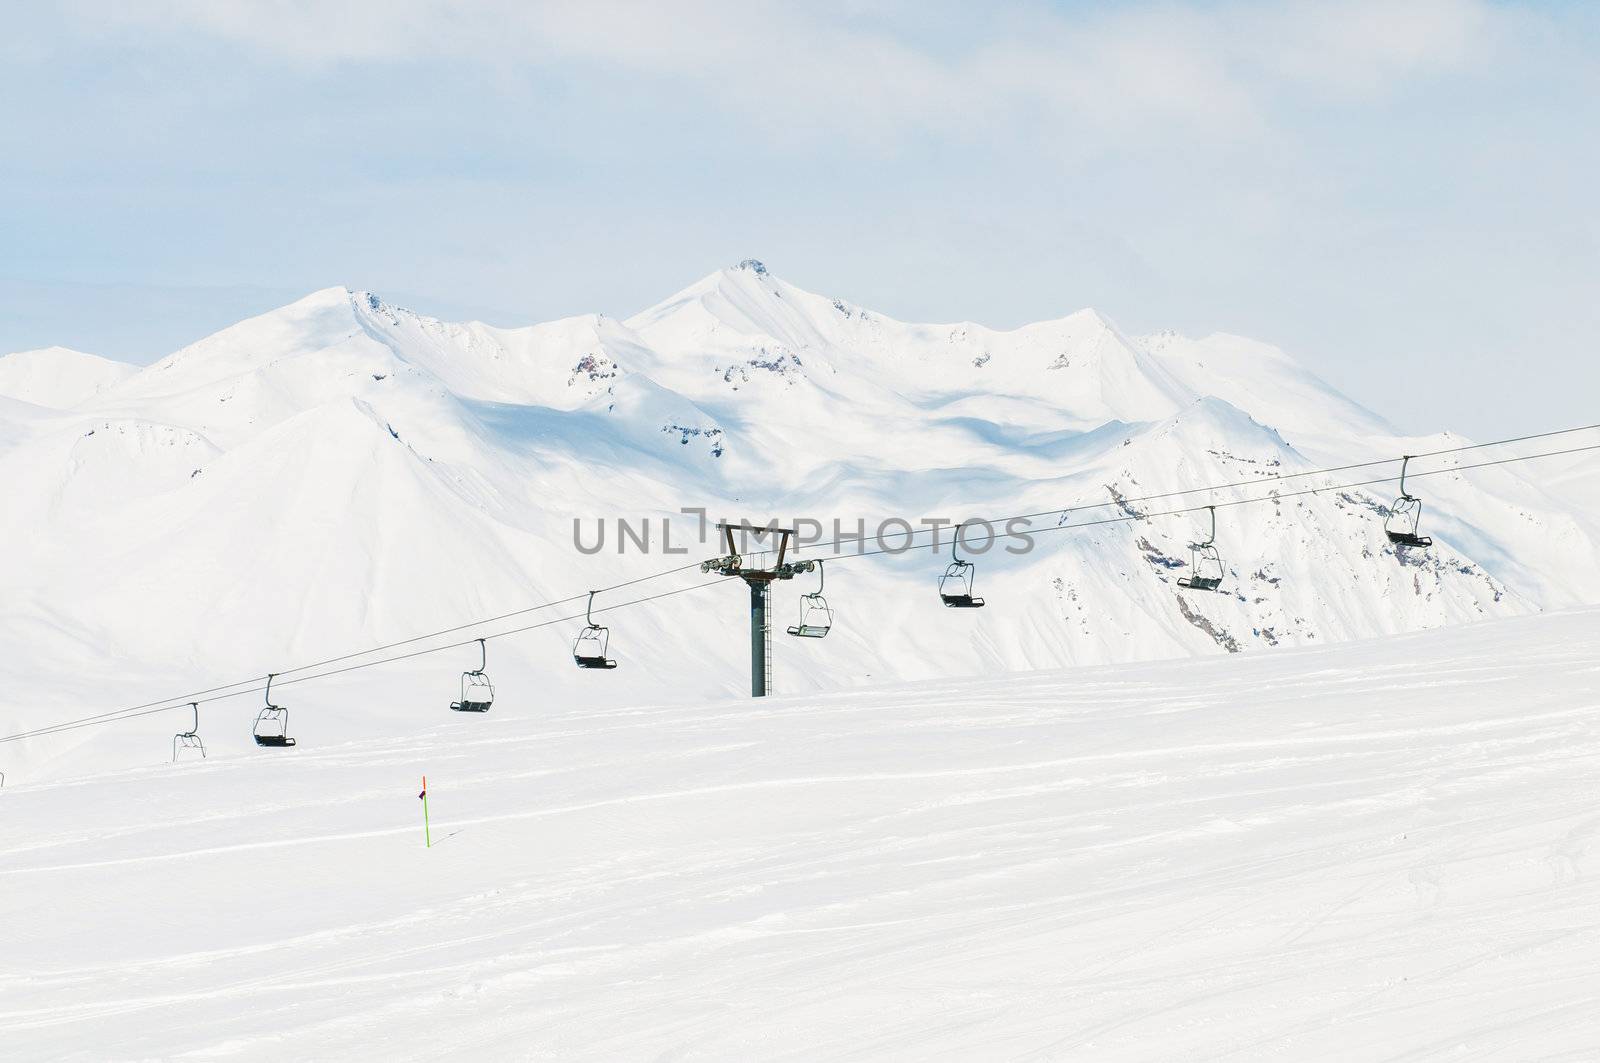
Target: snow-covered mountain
point(342, 472)
point(59, 377)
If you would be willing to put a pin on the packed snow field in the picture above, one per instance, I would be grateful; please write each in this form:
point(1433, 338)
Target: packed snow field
point(1376, 850)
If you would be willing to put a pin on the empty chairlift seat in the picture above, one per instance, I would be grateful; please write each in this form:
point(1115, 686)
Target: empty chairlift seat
point(188, 741)
point(1205, 563)
point(1405, 516)
point(272, 723)
point(590, 648)
point(477, 692)
point(816, 616)
point(955, 586)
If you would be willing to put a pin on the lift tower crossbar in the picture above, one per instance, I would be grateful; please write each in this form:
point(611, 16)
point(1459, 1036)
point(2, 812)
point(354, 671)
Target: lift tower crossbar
point(759, 580)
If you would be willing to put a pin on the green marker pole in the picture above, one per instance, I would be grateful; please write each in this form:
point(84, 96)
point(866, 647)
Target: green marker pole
point(427, 833)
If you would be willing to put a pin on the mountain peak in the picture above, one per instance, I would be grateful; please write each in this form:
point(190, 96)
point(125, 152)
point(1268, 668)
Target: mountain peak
point(331, 295)
point(742, 291)
point(59, 377)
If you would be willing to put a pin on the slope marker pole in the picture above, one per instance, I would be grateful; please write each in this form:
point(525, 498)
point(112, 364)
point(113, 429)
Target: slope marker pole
point(427, 833)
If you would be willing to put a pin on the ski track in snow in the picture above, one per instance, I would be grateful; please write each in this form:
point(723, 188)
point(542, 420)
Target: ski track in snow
point(1381, 850)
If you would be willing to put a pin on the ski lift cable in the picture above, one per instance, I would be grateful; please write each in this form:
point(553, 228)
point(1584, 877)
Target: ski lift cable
point(1320, 472)
point(1506, 442)
point(155, 708)
point(216, 693)
point(1126, 518)
point(1343, 468)
point(1374, 463)
point(162, 704)
point(487, 621)
point(1257, 480)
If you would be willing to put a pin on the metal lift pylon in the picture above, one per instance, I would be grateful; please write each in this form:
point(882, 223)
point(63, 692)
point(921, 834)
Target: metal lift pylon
point(759, 580)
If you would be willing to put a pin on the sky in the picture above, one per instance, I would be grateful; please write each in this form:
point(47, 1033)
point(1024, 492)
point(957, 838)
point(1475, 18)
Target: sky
point(1402, 195)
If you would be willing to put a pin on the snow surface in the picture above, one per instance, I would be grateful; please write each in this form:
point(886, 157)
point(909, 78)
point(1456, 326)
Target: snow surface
point(1376, 850)
point(1374, 841)
point(341, 473)
point(59, 377)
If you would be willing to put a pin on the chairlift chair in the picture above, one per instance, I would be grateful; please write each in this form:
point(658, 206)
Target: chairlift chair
point(955, 586)
point(1405, 516)
point(189, 739)
point(589, 651)
point(272, 722)
point(816, 617)
point(1205, 563)
point(477, 693)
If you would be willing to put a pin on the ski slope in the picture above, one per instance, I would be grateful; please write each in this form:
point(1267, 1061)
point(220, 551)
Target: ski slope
point(1372, 850)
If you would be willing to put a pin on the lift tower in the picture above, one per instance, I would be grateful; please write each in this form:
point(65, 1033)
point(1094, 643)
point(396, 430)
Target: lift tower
point(760, 583)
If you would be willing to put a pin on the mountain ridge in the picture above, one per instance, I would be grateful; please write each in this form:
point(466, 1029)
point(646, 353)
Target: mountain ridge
point(59, 377)
point(342, 472)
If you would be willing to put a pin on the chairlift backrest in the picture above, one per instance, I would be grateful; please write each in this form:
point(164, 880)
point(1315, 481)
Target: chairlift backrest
point(1205, 561)
point(815, 610)
point(958, 578)
point(1407, 509)
point(592, 641)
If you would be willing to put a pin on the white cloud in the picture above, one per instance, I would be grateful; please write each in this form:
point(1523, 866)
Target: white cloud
point(877, 70)
point(1363, 47)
